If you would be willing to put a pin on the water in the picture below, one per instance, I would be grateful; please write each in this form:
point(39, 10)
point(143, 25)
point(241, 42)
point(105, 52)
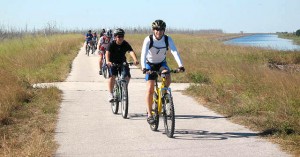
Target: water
point(271, 41)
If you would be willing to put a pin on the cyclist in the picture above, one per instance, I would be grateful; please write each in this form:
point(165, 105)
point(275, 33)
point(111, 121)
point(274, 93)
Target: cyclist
point(116, 53)
point(103, 44)
point(95, 40)
point(102, 33)
point(153, 57)
point(88, 37)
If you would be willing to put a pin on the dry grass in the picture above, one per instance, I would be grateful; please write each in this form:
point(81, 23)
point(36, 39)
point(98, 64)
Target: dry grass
point(235, 81)
point(27, 115)
point(238, 82)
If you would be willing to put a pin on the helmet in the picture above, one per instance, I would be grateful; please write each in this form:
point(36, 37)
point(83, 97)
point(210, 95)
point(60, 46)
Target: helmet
point(159, 24)
point(119, 31)
point(94, 33)
point(90, 31)
point(109, 32)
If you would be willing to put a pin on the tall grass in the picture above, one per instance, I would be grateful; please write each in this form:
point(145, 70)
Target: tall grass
point(27, 115)
point(238, 82)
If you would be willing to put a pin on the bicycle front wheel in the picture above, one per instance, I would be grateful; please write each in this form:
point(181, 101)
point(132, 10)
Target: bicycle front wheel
point(115, 103)
point(124, 100)
point(169, 115)
point(155, 115)
point(105, 71)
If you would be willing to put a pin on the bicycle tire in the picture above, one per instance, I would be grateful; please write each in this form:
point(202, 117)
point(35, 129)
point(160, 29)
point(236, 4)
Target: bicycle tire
point(169, 115)
point(88, 50)
point(124, 100)
point(104, 71)
point(115, 103)
point(155, 115)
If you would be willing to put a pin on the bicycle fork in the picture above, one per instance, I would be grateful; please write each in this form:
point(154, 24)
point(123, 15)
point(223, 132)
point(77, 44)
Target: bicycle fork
point(159, 97)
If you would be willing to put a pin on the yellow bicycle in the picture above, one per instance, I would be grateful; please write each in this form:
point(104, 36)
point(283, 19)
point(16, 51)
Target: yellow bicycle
point(163, 105)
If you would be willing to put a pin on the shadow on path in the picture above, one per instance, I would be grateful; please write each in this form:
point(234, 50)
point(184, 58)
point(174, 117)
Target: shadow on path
point(206, 135)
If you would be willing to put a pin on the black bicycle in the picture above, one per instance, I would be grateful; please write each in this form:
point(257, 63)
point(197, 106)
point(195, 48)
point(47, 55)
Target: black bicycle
point(120, 91)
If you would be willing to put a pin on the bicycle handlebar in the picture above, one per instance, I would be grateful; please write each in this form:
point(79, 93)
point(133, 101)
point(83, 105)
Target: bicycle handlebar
point(147, 71)
point(124, 63)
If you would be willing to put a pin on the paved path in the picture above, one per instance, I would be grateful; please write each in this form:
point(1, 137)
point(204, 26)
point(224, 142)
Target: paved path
point(87, 127)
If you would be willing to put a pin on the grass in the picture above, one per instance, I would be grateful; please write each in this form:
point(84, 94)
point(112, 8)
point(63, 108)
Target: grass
point(238, 82)
point(296, 39)
point(28, 116)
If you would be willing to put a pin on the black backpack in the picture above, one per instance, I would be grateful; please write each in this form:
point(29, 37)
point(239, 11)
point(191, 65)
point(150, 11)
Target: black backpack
point(166, 41)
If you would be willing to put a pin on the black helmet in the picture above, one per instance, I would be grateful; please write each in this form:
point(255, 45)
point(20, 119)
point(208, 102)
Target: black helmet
point(159, 24)
point(90, 31)
point(119, 31)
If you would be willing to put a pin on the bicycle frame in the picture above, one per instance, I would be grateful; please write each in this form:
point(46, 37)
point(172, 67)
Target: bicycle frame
point(121, 88)
point(160, 91)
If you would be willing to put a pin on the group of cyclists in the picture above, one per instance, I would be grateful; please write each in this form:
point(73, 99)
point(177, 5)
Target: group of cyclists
point(153, 57)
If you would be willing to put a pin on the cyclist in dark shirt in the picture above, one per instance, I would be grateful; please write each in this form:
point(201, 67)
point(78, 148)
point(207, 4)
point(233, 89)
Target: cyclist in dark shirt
point(116, 54)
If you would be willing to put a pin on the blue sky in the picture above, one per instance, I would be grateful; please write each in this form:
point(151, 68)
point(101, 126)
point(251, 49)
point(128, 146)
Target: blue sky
point(232, 16)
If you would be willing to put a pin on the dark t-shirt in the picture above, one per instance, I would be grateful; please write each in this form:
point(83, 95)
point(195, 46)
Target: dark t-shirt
point(117, 52)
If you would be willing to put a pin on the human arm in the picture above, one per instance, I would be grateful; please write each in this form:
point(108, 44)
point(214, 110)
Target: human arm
point(133, 56)
point(145, 50)
point(174, 52)
point(108, 62)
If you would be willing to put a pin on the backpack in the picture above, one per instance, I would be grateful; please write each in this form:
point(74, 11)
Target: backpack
point(166, 41)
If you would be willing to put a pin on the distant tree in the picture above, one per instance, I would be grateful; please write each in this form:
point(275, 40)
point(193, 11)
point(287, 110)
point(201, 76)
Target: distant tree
point(298, 32)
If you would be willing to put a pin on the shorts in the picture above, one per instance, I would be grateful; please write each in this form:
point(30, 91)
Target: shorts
point(115, 70)
point(155, 67)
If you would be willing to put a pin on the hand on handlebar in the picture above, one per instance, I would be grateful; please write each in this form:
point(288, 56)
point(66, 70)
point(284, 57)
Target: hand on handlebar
point(181, 69)
point(136, 62)
point(144, 70)
point(109, 64)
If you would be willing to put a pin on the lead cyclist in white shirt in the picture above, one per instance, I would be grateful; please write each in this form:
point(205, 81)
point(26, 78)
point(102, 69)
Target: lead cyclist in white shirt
point(153, 57)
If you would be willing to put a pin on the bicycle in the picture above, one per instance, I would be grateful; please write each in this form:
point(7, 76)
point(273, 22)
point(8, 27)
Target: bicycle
point(94, 46)
point(104, 69)
point(163, 104)
point(120, 91)
point(88, 47)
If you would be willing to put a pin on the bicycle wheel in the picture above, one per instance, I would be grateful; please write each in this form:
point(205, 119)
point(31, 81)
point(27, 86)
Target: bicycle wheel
point(93, 49)
point(104, 71)
point(115, 103)
point(124, 99)
point(88, 50)
point(155, 115)
point(169, 115)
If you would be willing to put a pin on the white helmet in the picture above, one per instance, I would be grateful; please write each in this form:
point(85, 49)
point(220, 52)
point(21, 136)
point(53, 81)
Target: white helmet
point(109, 32)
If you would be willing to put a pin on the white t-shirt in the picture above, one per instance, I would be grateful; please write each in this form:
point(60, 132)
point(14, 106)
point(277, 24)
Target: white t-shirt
point(157, 53)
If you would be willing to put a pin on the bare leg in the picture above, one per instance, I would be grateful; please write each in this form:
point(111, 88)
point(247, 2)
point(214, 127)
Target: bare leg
point(149, 95)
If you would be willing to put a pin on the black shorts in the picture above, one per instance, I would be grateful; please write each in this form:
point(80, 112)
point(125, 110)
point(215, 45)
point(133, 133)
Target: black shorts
point(155, 67)
point(117, 69)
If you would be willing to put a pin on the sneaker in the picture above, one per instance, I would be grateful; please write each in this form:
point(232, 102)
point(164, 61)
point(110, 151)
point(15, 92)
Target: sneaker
point(150, 120)
point(110, 98)
point(100, 72)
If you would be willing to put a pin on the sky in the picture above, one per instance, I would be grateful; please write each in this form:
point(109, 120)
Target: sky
point(231, 16)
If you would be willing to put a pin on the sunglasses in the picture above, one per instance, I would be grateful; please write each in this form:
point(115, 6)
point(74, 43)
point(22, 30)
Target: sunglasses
point(159, 29)
point(120, 36)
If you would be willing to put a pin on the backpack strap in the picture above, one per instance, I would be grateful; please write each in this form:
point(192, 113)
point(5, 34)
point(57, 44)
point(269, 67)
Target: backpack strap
point(151, 41)
point(166, 41)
